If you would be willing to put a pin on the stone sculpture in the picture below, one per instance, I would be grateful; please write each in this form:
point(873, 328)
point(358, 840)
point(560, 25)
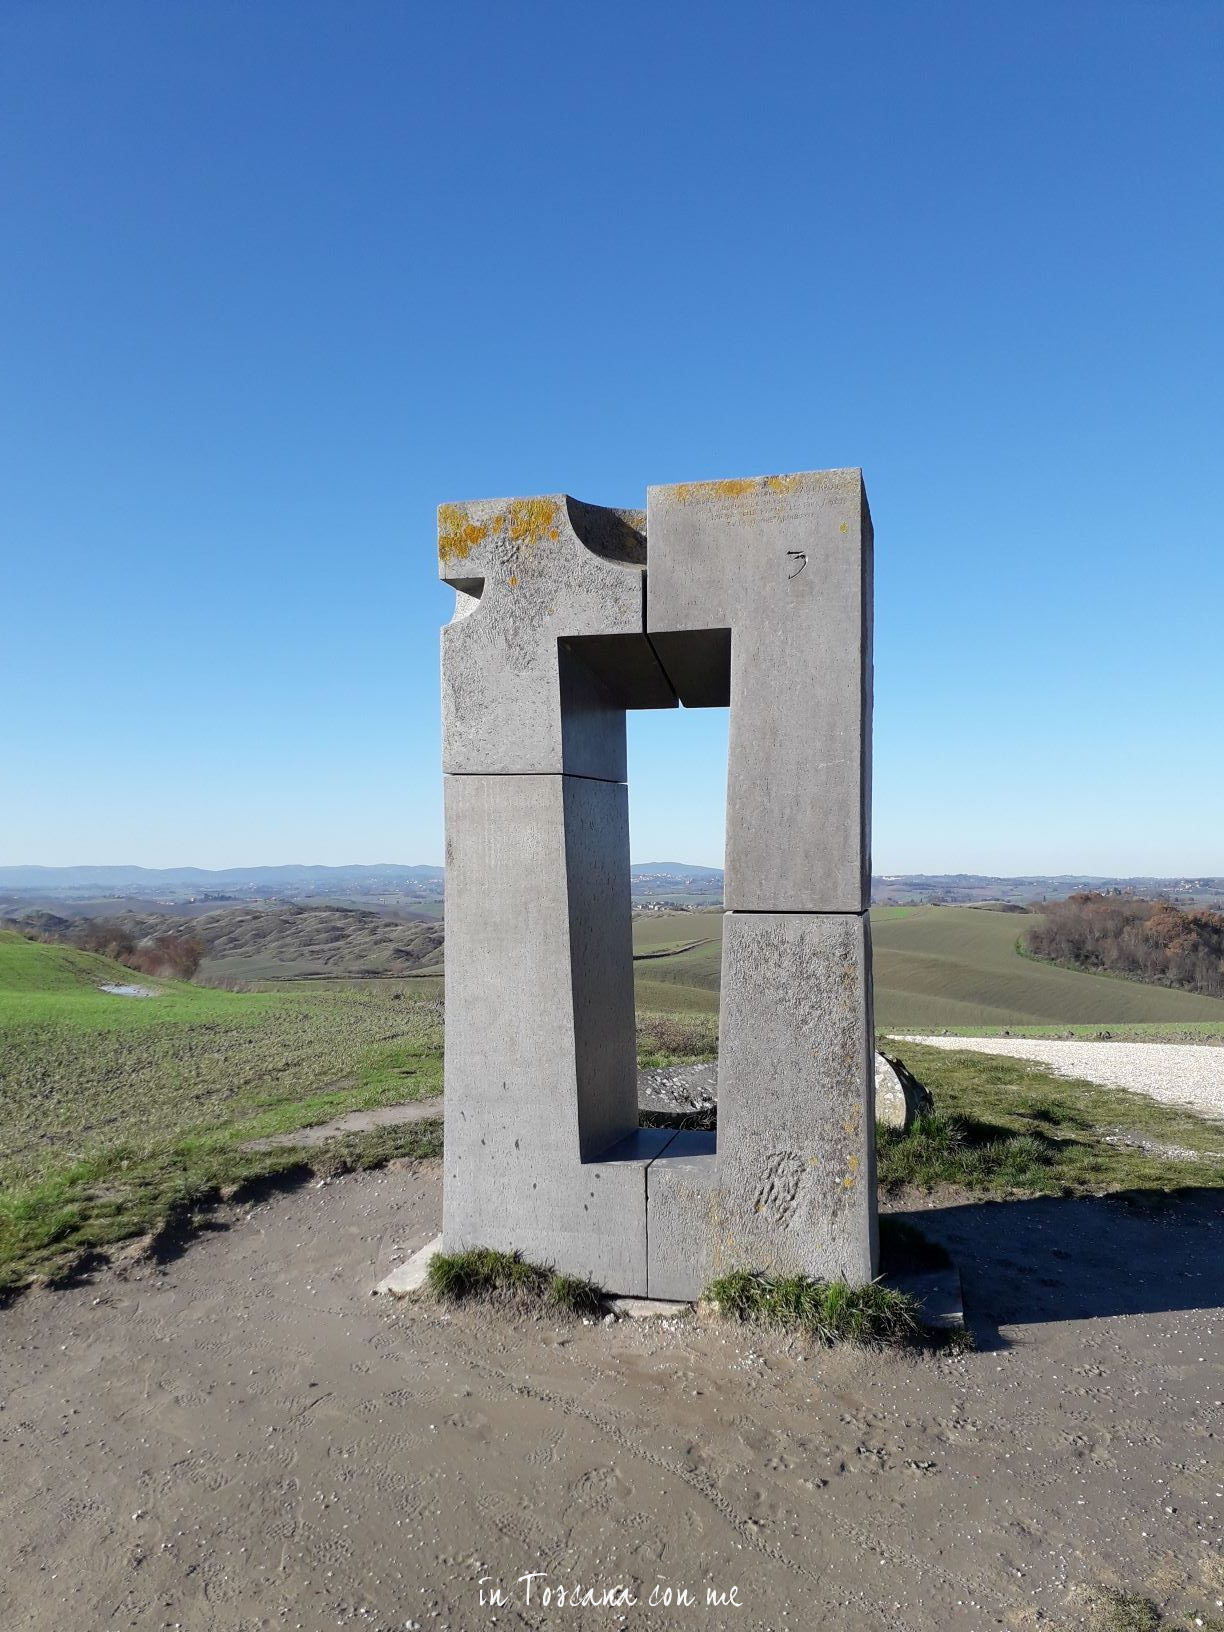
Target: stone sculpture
point(756, 594)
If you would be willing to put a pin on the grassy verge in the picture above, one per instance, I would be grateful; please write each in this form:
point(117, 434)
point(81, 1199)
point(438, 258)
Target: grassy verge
point(1004, 1126)
point(873, 1316)
point(50, 1227)
point(484, 1274)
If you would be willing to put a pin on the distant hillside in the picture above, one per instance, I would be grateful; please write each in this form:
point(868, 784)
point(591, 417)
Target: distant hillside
point(287, 942)
point(934, 967)
point(301, 942)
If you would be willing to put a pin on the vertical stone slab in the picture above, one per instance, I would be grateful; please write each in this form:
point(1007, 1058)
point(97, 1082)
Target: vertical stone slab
point(796, 1097)
point(785, 564)
point(540, 1046)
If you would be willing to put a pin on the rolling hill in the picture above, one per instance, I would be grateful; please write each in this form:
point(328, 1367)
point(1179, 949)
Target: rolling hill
point(935, 968)
point(290, 941)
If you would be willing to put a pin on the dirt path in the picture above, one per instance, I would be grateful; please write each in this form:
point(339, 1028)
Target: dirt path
point(245, 1438)
point(384, 1116)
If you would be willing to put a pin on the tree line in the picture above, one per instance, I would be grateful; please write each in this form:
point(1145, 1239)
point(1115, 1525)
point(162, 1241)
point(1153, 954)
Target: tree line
point(1145, 940)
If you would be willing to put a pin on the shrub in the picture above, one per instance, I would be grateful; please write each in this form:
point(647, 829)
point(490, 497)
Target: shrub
point(173, 957)
point(1146, 940)
point(663, 1038)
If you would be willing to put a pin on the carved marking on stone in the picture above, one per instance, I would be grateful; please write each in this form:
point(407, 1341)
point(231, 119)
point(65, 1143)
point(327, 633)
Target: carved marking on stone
point(779, 1193)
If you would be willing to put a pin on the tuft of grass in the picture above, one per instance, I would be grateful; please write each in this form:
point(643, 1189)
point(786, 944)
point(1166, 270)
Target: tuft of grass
point(872, 1315)
point(484, 1273)
point(481, 1272)
point(575, 1295)
point(960, 1150)
point(1126, 1612)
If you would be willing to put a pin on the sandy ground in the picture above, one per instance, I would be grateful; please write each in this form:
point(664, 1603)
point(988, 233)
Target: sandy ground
point(1185, 1074)
point(242, 1437)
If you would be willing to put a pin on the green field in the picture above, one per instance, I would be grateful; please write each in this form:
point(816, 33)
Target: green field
point(947, 967)
point(116, 1110)
point(936, 968)
point(682, 982)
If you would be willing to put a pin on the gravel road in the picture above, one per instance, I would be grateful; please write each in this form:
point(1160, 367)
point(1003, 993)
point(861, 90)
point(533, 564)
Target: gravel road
point(1186, 1074)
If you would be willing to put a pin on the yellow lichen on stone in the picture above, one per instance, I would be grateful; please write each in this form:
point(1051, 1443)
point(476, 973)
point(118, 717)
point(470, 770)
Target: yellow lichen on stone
point(457, 535)
point(685, 492)
point(530, 520)
point(738, 487)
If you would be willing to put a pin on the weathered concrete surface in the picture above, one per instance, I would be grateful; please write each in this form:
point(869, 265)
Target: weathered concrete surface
point(938, 1294)
point(792, 1187)
point(785, 564)
point(540, 1046)
point(648, 1309)
point(546, 649)
point(685, 1214)
point(796, 1115)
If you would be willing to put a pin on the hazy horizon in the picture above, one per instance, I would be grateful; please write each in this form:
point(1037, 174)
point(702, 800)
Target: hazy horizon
point(877, 873)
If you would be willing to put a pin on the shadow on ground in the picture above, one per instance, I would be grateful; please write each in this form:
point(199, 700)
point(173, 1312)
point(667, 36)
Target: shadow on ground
point(1135, 1252)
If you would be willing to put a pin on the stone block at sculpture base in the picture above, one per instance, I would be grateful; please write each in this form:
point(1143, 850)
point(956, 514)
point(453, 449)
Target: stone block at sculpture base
point(683, 1217)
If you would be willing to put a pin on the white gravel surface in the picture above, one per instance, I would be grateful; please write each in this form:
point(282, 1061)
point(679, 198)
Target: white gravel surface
point(1186, 1074)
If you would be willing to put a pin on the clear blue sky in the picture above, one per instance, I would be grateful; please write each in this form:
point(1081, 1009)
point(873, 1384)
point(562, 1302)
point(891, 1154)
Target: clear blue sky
point(279, 277)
